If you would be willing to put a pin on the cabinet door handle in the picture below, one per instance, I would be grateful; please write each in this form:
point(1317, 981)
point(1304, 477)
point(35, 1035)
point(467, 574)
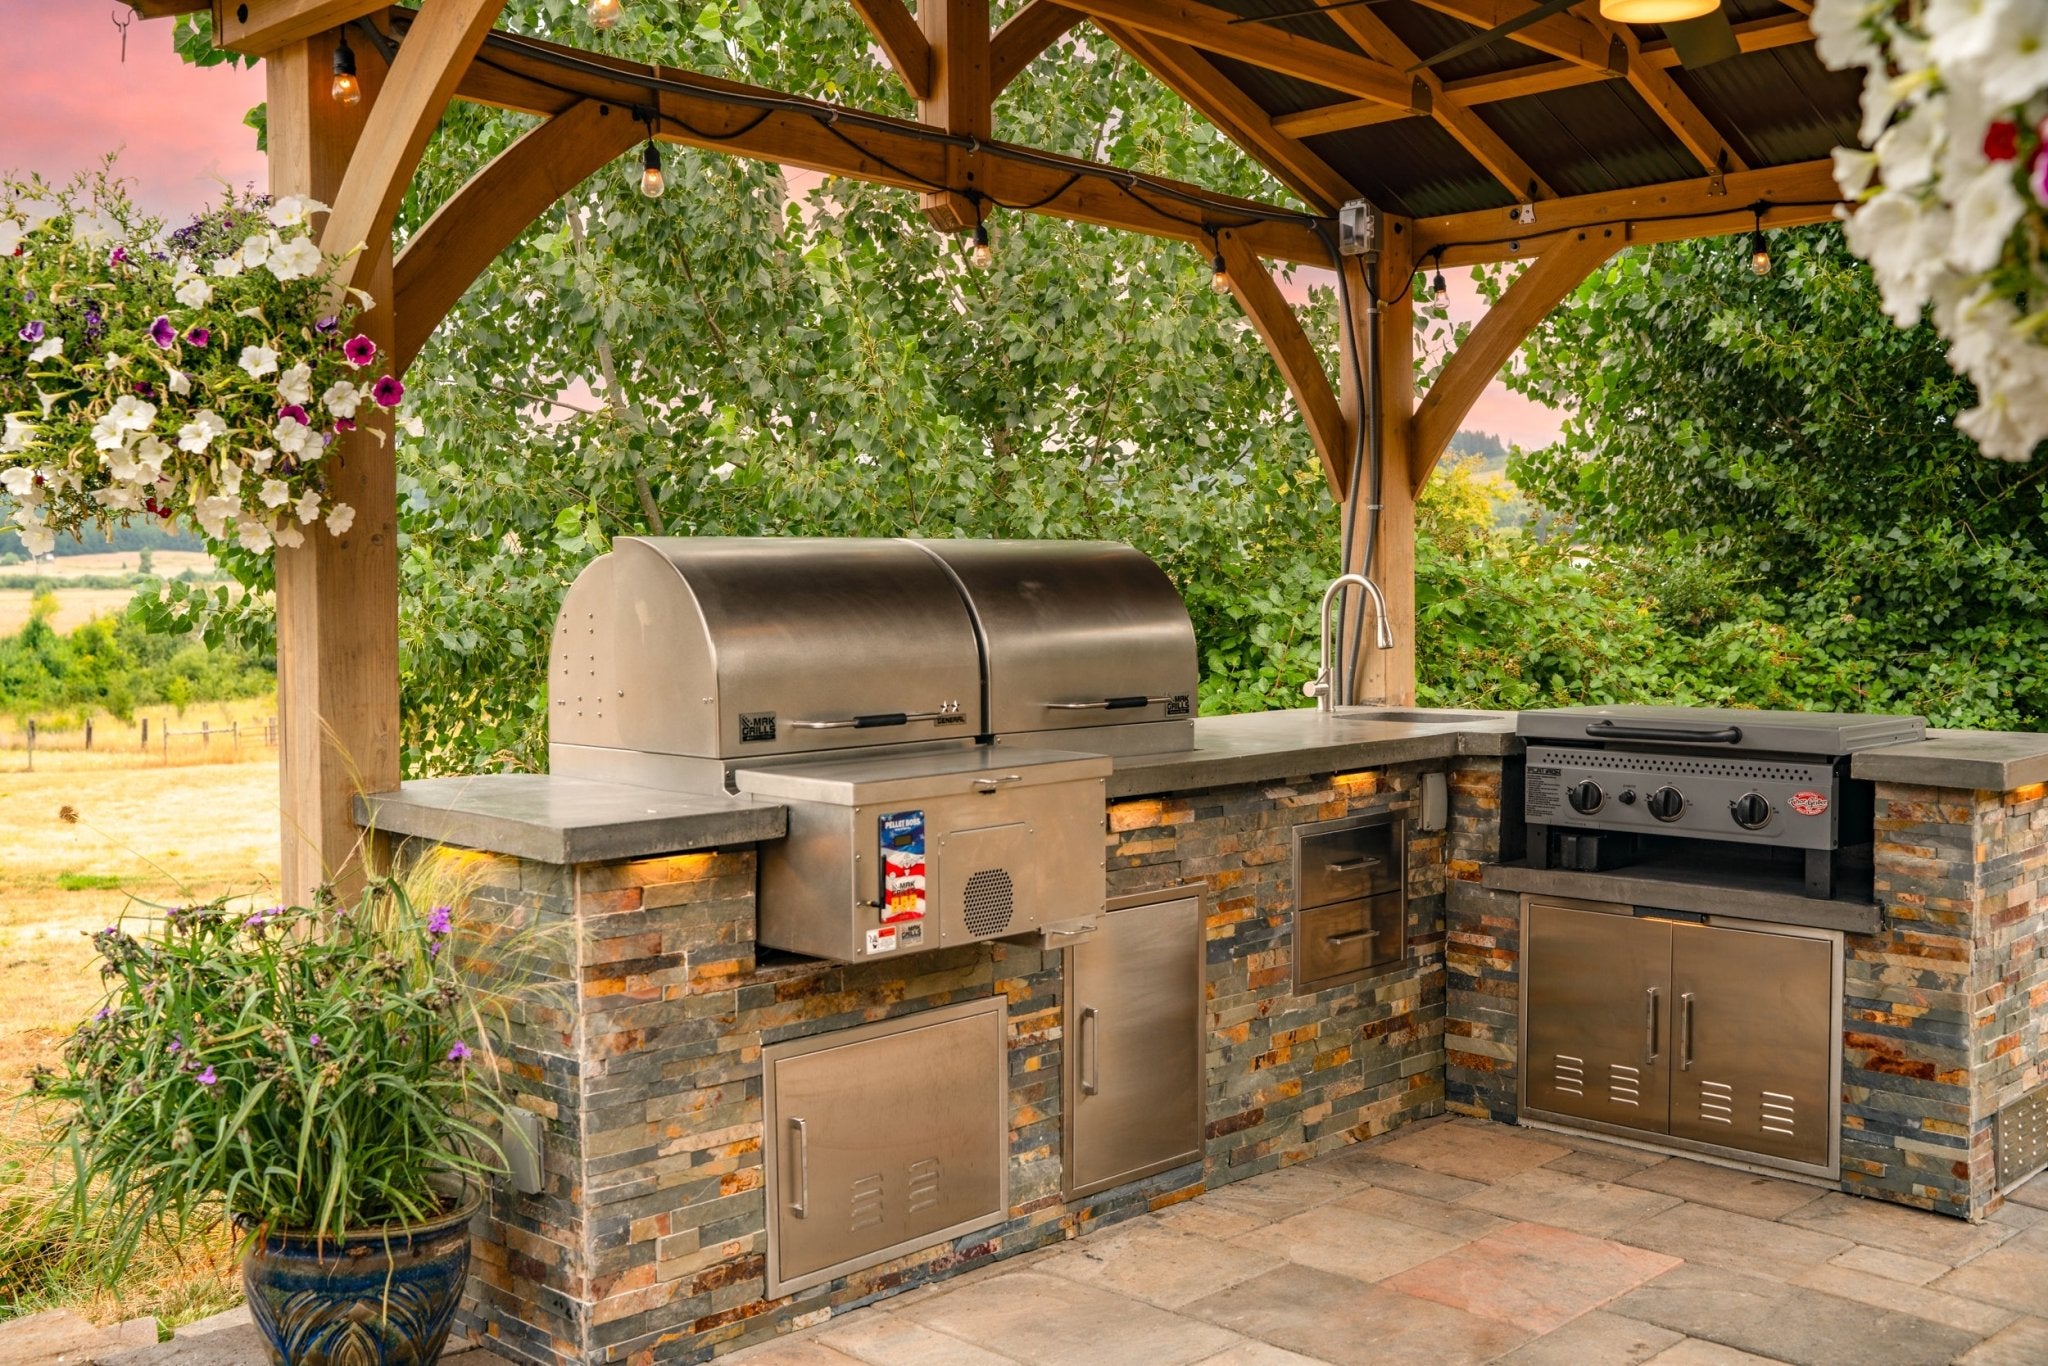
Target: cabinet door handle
point(1357, 865)
point(803, 1169)
point(1337, 940)
point(1650, 1027)
point(1685, 1031)
point(1091, 1051)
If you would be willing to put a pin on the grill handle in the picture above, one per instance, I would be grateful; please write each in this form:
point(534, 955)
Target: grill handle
point(877, 719)
point(1703, 735)
point(1108, 704)
point(800, 1206)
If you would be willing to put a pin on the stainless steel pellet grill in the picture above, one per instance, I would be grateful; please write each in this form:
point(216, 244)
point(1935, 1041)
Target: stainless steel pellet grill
point(935, 715)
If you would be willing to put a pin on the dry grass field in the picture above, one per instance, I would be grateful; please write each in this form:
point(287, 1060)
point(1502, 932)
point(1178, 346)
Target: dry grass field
point(166, 564)
point(75, 607)
point(144, 833)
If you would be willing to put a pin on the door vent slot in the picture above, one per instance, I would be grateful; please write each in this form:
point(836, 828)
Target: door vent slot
point(1777, 1113)
point(924, 1184)
point(1568, 1074)
point(1624, 1084)
point(865, 1206)
point(2022, 1137)
point(1717, 1102)
point(989, 901)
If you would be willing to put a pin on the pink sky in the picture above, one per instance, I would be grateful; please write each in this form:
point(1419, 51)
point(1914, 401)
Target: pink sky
point(67, 99)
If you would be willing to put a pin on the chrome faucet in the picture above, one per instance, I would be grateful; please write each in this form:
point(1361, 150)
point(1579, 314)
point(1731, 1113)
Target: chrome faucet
point(1323, 687)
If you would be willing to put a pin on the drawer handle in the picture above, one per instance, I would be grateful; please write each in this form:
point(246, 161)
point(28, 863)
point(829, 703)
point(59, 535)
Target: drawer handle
point(947, 711)
point(1650, 1027)
point(1335, 940)
point(803, 1169)
point(1108, 704)
point(988, 785)
point(1357, 865)
point(1091, 1051)
point(1685, 1032)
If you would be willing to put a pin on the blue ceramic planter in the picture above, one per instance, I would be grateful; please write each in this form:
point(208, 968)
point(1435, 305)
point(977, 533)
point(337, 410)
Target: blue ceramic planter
point(378, 1297)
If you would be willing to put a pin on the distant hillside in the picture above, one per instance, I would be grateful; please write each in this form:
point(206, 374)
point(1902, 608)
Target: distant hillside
point(153, 536)
point(1490, 451)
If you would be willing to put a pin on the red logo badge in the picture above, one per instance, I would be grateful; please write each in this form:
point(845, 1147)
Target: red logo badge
point(1809, 803)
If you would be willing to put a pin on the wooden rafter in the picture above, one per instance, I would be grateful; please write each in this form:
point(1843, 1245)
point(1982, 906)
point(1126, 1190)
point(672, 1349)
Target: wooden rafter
point(1780, 30)
point(1023, 36)
point(513, 73)
point(1561, 35)
point(1300, 365)
point(1487, 147)
point(901, 41)
point(1654, 86)
point(261, 29)
point(1557, 272)
point(497, 204)
point(1210, 29)
point(422, 80)
point(1804, 192)
point(1195, 79)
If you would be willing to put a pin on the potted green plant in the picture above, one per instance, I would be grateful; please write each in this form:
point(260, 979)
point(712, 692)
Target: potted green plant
point(318, 1075)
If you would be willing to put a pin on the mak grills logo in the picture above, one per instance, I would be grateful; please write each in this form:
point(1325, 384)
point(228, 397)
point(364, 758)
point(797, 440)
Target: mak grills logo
point(1808, 803)
point(1178, 704)
point(756, 726)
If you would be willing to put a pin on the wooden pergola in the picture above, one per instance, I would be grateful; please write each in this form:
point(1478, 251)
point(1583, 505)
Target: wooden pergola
point(1558, 147)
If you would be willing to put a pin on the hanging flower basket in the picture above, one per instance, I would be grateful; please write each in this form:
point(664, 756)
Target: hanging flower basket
point(198, 375)
point(1952, 188)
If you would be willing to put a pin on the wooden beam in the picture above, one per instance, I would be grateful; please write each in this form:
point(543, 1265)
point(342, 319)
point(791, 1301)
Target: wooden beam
point(166, 9)
point(901, 41)
point(438, 49)
point(270, 24)
point(1335, 118)
point(1022, 37)
point(1804, 192)
point(1195, 79)
point(1210, 29)
point(337, 596)
point(497, 204)
point(515, 73)
point(1561, 35)
point(1687, 122)
point(1274, 320)
point(1385, 676)
point(958, 34)
point(1557, 272)
point(1485, 146)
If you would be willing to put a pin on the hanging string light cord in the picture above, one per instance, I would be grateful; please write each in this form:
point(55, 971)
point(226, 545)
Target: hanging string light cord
point(1438, 249)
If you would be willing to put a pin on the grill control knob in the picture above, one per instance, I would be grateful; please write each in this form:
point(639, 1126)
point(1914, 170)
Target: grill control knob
point(1666, 803)
point(1586, 797)
point(1751, 811)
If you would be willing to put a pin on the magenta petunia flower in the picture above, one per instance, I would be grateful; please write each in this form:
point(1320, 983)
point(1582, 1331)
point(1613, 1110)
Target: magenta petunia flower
point(2039, 176)
point(199, 337)
point(118, 256)
point(313, 1042)
point(162, 333)
point(296, 414)
point(208, 1077)
point(459, 1053)
point(344, 424)
point(32, 331)
point(359, 350)
point(387, 391)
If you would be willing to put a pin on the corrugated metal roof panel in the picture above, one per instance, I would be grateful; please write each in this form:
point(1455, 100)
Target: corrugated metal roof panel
point(1590, 138)
point(1273, 92)
point(1778, 106)
point(1412, 167)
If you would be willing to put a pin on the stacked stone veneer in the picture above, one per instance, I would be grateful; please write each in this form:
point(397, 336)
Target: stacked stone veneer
point(641, 1011)
point(1945, 1009)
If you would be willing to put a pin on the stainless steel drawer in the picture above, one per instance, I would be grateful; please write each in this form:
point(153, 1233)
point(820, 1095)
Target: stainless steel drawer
point(1352, 939)
point(1344, 860)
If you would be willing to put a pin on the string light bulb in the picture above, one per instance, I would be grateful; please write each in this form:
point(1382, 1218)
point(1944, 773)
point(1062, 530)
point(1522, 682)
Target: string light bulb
point(1219, 275)
point(1438, 291)
point(345, 88)
point(983, 253)
point(652, 182)
point(1759, 247)
point(604, 13)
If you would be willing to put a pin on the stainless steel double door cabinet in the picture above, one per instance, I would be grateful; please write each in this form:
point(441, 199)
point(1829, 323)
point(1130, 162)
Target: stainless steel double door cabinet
point(1717, 1035)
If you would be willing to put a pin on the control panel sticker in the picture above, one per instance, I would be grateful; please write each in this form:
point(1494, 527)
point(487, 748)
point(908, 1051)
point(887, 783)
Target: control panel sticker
point(903, 868)
point(912, 933)
point(882, 940)
point(1808, 803)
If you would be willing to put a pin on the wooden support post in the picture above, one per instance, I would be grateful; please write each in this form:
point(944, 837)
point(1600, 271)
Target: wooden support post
point(1385, 677)
point(960, 102)
point(337, 596)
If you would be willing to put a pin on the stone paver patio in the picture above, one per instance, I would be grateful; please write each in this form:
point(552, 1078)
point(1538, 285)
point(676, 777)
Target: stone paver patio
point(1463, 1241)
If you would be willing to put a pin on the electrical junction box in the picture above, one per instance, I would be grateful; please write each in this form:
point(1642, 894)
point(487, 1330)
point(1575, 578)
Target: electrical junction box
point(1361, 230)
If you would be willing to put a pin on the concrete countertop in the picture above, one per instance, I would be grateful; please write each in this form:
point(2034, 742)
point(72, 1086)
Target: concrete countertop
point(1264, 746)
point(567, 820)
point(1971, 760)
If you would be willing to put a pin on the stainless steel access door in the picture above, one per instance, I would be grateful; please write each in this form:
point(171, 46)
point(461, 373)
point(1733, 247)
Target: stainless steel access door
point(1598, 1015)
point(1753, 1055)
point(1134, 1043)
point(884, 1139)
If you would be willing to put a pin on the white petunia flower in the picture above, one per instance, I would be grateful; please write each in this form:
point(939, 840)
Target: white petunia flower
point(275, 494)
point(122, 465)
point(1854, 168)
point(296, 384)
point(251, 534)
point(107, 434)
point(17, 480)
point(231, 478)
point(308, 506)
point(1906, 150)
point(37, 540)
point(1987, 209)
point(287, 535)
point(94, 229)
point(131, 414)
point(261, 459)
point(119, 497)
point(150, 453)
point(50, 346)
point(227, 267)
point(291, 435)
point(17, 435)
point(412, 425)
point(341, 398)
point(10, 236)
point(258, 361)
point(340, 519)
point(194, 293)
point(297, 259)
point(291, 210)
point(256, 249)
point(195, 436)
point(178, 381)
point(212, 513)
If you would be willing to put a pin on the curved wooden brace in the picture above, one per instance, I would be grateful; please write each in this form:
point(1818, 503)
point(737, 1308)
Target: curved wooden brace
point(901, 41)
point(497, 204)
point(1022, 37)
point(1293, 352)
point(423, 78)
point(1556, 273)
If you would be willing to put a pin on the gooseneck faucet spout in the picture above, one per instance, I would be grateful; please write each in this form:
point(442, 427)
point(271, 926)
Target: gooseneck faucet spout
point(1323, 688)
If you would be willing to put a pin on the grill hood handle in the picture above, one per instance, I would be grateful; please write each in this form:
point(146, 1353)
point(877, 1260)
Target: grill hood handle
point(1108, 704)
point(873, 720)
point(1702, 735)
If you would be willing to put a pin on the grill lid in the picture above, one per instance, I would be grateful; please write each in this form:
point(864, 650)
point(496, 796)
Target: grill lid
point(1721, 729)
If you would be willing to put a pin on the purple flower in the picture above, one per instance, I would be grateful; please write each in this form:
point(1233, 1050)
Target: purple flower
point(162, 333)
point(343, 424)
point(295, 413)
point(208, 1077)
point(2038, 179)
point(459, 1053)
point(103, 1012)
point(359, 350)
point(439, 919)
point(177, 1044)
point(95, 325)
point(32, 331)
point(145, 388)
point(387, 391)
point(327, 325)
point(118, 256)
point(313, 1042)
point(199, 337)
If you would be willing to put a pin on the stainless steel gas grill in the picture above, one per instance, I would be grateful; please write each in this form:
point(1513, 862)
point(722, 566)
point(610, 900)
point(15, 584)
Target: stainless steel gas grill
point(1606, 784)
point(894, 695)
